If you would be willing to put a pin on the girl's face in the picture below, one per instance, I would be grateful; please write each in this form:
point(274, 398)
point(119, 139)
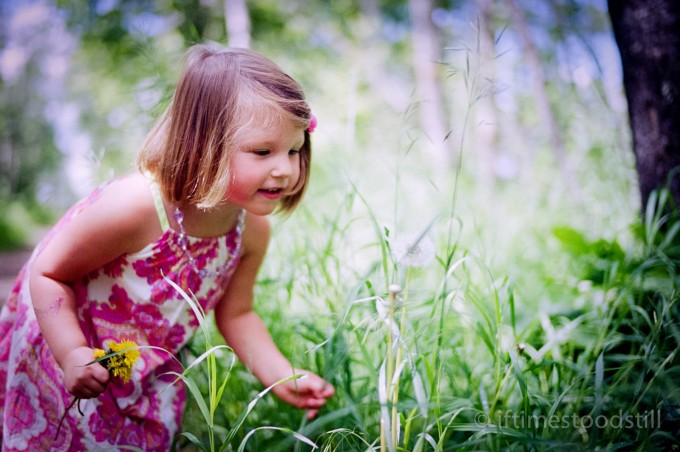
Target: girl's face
point(265, 167)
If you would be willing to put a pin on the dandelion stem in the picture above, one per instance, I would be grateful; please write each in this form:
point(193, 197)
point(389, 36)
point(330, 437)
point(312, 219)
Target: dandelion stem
point(63, 416)
point(391, 386)
point(383, 441)
point(390, 356)
point(395, 393)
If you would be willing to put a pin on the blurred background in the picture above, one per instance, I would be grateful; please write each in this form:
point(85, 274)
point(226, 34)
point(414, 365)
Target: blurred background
point(505, 118)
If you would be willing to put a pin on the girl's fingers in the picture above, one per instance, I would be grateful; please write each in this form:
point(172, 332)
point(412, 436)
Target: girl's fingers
point(306, 400)
point(316, 385)
point(91, 387)
point(314, 403)
point(313, 406)
point(86, 393)
point(327, 390)
point(101, 375)
point(310, 393)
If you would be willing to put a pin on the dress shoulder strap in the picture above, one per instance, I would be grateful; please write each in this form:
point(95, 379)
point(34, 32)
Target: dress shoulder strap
point(158, 203)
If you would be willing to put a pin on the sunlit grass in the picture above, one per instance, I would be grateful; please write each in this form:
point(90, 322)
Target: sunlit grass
point(507, 329)
point(207, 390)
point(489, 352)
point(511, 326)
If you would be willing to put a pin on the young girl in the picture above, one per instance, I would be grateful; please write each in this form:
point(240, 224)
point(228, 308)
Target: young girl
point(232, 147)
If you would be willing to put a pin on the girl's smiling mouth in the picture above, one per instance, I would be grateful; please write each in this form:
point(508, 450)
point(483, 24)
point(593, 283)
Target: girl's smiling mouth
point(271, 193)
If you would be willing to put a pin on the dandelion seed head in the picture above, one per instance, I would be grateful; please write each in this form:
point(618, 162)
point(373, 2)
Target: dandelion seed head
point(413, 251)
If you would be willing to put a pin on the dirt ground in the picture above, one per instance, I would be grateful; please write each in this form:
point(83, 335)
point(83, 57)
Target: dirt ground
point(10, 264)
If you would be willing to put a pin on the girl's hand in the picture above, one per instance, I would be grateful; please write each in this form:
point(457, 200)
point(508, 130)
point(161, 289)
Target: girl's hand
point(81, 380)
point(308, 392)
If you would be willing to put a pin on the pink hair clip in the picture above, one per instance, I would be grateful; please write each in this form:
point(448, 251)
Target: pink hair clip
point(312, 124)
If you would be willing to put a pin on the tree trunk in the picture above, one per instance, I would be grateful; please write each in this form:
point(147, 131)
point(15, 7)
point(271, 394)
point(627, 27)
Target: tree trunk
point(648, 35)
point(425, 58)
point(543, 102)
point(486, 131)
point(237, 23)
point(372, 57)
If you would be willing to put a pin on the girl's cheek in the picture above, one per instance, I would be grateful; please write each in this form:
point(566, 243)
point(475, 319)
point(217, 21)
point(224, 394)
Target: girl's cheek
point(233, 193)
point(296, 186)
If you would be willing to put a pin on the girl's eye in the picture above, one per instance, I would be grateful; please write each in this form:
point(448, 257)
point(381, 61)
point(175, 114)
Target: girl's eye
point(261, 152)
point(293, 151)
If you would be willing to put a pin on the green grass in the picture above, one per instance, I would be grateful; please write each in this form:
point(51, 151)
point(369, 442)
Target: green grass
point(474, 364)
point(541, 323)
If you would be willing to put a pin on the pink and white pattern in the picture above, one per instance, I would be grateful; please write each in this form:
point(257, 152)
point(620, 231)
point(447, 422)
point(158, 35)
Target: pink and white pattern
point(125, 299)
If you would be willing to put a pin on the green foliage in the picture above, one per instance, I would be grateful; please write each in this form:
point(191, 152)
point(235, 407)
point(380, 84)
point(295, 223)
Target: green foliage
point(475, 374)
point(20, 222)
point(28, 150)
point(597, 257)
point(638, 339)
point(213, 382)
point(11, 237)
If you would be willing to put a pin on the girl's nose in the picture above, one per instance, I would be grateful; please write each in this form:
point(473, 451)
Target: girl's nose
point(282, 167)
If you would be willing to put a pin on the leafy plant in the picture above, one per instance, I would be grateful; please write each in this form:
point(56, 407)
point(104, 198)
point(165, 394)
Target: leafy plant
point(216, 390)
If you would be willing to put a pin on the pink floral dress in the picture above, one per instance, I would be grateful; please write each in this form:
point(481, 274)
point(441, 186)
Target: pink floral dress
point(126, 299)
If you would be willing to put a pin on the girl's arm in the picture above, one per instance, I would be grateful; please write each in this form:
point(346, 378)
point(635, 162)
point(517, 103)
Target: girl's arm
point(112, 225)
point(245, 332)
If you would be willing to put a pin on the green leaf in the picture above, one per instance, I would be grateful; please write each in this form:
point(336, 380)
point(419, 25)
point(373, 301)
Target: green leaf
point(194, 440)
point(571, 240)
point(196, 393)
point(198, 311)
point(296, 435)
point(250, 407)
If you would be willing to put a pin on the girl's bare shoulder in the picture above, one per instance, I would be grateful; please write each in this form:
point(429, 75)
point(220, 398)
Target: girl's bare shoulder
point(120, 219)
point(132, 191)
point(123, 211)
point(126, 207)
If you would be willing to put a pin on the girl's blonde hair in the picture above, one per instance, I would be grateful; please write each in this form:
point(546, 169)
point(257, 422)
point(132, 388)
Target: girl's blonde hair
point(221, 95)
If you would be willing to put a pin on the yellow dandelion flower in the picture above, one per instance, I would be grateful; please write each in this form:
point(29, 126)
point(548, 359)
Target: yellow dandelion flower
point(120, 364)
point(118, 359)
point(122, 345)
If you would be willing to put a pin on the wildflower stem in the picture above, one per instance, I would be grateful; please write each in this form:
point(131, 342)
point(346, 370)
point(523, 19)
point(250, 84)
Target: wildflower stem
point(390, 371)
point(389, 367)
point(63, 416)
point(395, 393)
point(383, 445)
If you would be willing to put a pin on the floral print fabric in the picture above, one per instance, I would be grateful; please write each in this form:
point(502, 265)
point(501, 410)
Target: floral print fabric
point(129, 298)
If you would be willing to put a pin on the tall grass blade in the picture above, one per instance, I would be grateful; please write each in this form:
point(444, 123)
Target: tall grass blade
point(599, 379)
point(427, 437)
point(193, 440)
point(419, 390)
point(384, 251)
point(251, 405)
point(385, 419)
point(195, 307)
point(206, 354)
point(196, 392)
point(511, 303)
point(296, 435)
